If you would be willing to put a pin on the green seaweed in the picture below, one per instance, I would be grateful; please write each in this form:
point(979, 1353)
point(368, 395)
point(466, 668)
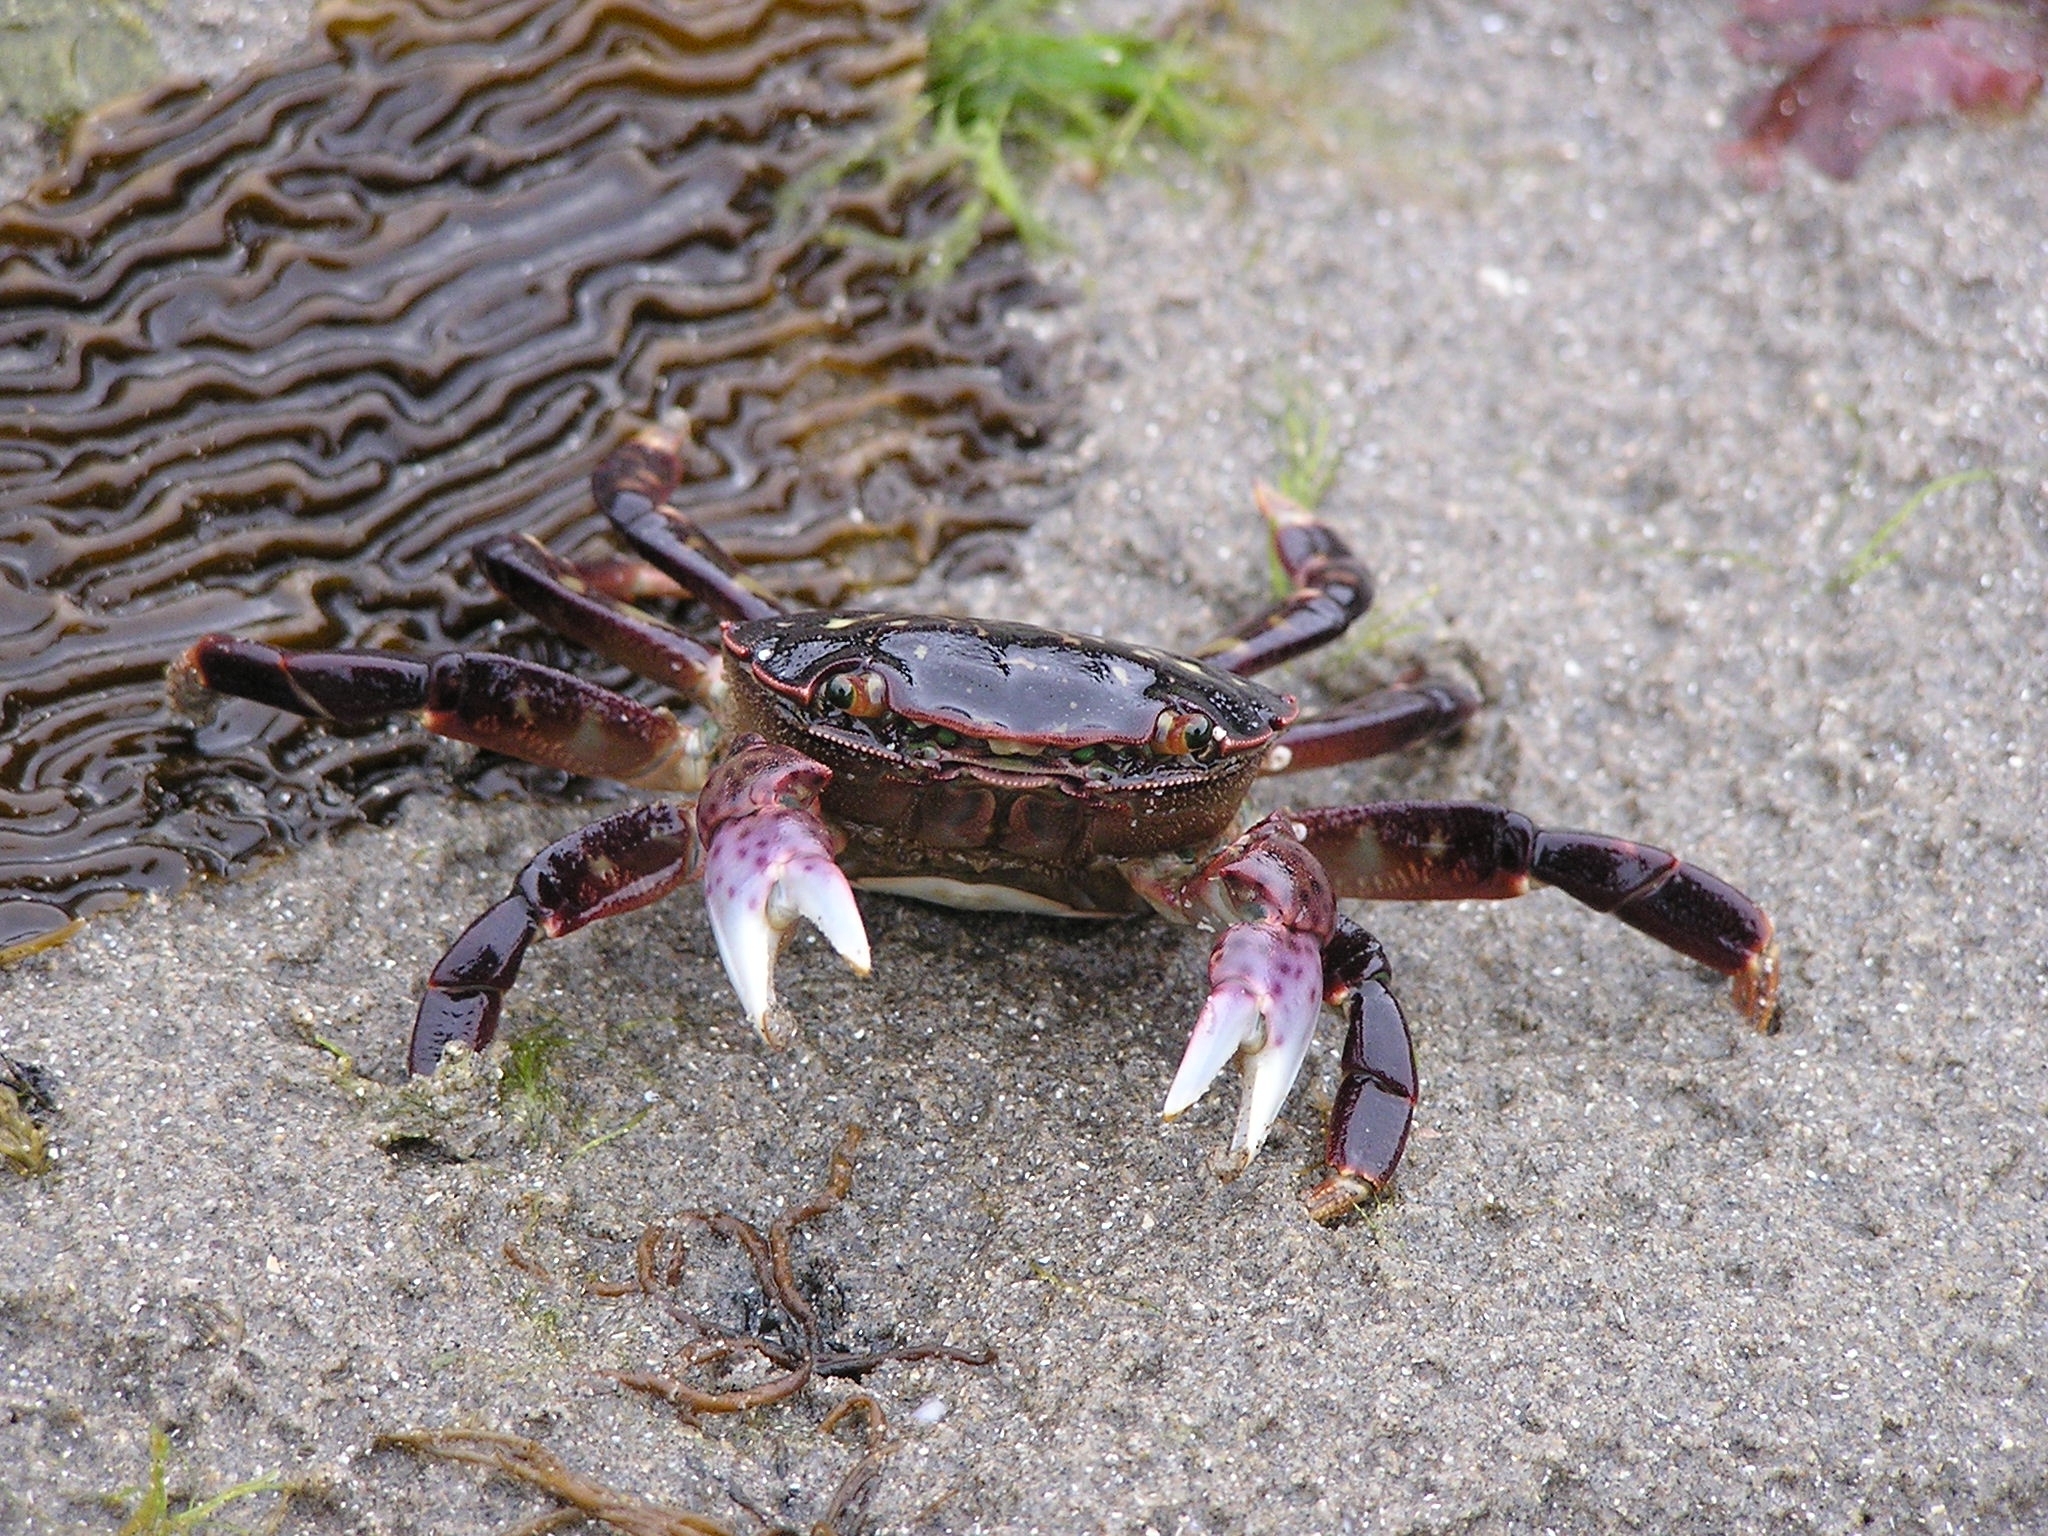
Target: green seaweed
point(603, 1138)
point(1305, 444)
point(1296, 68)
point(153, 1515)
point(529, 1092)
point(1086, 1291)
point(1014, 96)
point(1874, 555)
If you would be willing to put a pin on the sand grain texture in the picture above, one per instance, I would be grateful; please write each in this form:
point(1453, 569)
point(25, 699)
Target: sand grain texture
point(1612, 424)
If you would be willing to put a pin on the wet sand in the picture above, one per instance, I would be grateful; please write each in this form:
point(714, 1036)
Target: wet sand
point(1611, 426)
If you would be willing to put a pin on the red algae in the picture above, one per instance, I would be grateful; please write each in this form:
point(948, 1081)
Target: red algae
point(274, 355)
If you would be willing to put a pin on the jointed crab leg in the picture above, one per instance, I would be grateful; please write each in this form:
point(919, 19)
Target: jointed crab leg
point(517, 707)
point(1373, 726)
point(1463, 851)
point(563, 597)
point(632, 485)
point(1376, 1093)
point(609, 867)
point(1332, 590)
point(627, 578)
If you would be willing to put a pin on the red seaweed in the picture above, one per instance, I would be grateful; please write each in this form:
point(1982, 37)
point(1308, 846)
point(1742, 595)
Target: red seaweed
point(1856, 69)
point(274, 355)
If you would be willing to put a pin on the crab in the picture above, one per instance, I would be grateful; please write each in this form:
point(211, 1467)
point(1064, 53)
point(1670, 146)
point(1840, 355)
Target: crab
point(985, 765)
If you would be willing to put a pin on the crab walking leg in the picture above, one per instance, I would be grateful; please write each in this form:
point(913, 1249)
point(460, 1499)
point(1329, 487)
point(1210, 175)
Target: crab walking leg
point(1265, 976)
point(1376, 1091)
point(520, 708)
point(769, 859)
point(1373, 726)
point(632, 485)
point(628, 578)
point(1462, 851)
point(611, 866)
point(1332, 589)
point(565, 599)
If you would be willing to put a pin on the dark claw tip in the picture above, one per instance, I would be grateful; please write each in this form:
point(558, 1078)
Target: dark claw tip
point(448, 1017)
point(1755, 989)
point(1341, 1195)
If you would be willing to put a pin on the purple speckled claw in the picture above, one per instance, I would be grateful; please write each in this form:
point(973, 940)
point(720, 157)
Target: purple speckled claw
point(1265, 991)
point(768, 861)
point(1265, 975)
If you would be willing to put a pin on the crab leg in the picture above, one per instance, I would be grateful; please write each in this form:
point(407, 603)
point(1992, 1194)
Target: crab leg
point(573, 603)
point(1462, 851)
point(769, 859)
point(1376, 1090)
point(520, 708)
point(1373, 726)
point(628, 578)
point(1265, 976)
point(1331, 591)
point(611, 866)
point(632, 487)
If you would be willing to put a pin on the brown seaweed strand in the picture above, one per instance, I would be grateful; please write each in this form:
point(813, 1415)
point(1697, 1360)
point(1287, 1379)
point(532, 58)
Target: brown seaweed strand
point(529, 1462)
point(774, 1266)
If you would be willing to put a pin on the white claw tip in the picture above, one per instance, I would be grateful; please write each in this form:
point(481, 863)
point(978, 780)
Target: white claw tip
point(1229, 1021)
point(761, 875)
point(816, 889)
point(1266, 991)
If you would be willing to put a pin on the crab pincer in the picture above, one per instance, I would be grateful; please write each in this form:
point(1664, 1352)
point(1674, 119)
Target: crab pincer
point(768, 860)
point(1265, 976)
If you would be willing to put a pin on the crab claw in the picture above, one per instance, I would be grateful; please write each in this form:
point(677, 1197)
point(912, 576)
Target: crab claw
point(1265, 991)
point(1266, 988)
point(768, 861)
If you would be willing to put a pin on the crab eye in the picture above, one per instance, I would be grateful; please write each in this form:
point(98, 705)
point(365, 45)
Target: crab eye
point(1183, 733)
point(861, 694)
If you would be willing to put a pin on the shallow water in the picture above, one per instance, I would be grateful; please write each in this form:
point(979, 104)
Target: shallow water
point(274, 355)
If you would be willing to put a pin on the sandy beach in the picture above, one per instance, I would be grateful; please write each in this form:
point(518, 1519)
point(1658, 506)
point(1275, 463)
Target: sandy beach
point(1613, 428)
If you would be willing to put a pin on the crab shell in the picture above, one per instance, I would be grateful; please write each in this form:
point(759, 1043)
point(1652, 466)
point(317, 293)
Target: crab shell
point(1003, 815)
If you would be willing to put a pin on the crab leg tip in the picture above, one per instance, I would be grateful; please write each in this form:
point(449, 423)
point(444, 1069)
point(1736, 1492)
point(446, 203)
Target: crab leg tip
point(1755, 988)
point(1277, 507)
point(1341, 1194)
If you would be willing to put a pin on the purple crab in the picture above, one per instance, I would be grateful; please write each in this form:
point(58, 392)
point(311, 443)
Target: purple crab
point(985, 765)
